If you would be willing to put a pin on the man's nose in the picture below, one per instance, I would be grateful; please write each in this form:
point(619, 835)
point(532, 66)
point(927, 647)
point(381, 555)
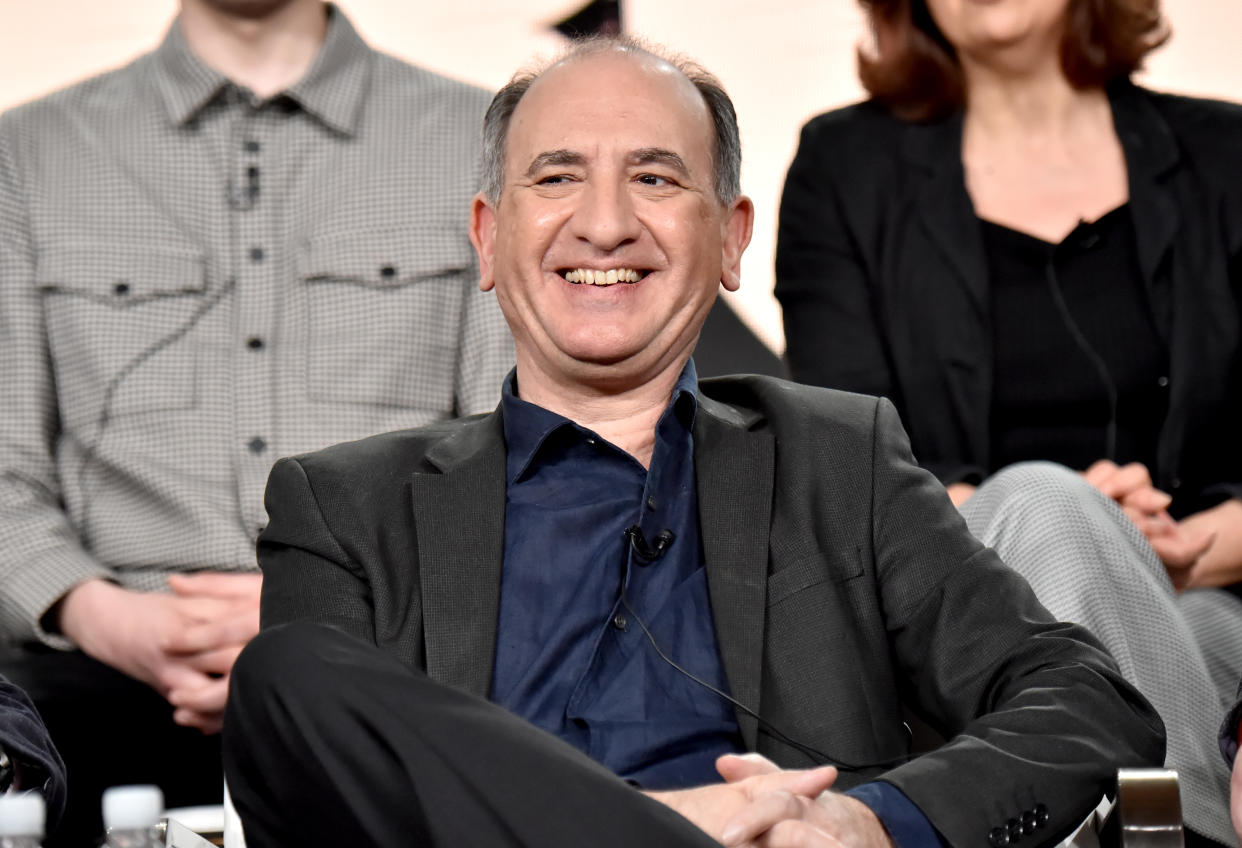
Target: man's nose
point(605, 216)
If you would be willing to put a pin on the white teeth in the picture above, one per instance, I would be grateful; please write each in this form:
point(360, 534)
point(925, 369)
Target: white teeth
point(603, 278)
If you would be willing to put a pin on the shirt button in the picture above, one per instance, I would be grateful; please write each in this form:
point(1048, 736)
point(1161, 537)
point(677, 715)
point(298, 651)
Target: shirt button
point(1162, 382)
point(619, 621)
point(252, 146)
point(254, 343)
point(388, 272)
point(652, 504)
point(1175, 483)
point(256, 254)
point(257, 445)
point(121, 289)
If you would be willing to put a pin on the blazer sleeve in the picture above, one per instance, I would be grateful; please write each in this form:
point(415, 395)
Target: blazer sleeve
point(832, 335)
point(308, 574)
point(1035, 711)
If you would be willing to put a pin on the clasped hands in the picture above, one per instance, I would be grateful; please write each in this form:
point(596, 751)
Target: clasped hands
point(182, 645)
point(1179, 544)
point(761, 806)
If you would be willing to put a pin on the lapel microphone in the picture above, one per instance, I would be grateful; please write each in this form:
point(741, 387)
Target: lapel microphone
point(648, 552)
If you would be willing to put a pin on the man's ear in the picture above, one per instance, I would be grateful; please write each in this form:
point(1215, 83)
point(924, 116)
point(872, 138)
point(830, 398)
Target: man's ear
point(483, 237)
point(736, 231)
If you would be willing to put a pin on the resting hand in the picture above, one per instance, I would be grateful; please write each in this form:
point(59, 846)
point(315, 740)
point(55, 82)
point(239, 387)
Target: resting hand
point(712, 808)
point(1221, 563)
point(1179, 545)
point(181, 645)
point(782, 818)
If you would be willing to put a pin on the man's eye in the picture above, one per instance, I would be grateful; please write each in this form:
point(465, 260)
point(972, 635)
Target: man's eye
point(654, 180)
point(554, 179)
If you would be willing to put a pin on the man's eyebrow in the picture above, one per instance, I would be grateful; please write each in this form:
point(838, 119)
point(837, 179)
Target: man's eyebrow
point(659, 156)
point(554, 159)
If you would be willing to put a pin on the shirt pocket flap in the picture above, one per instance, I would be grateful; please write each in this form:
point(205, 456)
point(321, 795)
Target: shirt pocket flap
point(121, 275)
point(385, 258)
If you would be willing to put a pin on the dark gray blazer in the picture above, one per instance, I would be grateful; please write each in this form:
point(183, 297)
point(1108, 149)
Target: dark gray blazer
point(843, 584)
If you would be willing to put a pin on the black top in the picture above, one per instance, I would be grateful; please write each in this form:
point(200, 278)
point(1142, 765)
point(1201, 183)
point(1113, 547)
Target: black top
point(1080, 371)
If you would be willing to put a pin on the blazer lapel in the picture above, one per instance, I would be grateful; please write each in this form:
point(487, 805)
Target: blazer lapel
point(945, 212)
point(459, 522)
point(1150, 152)
point(733, 470)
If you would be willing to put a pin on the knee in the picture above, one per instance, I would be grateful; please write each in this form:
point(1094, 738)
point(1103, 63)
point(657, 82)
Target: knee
point(1048, 488)
point(282, 664)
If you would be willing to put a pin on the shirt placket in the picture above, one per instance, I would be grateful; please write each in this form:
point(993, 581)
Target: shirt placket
point(260, 259)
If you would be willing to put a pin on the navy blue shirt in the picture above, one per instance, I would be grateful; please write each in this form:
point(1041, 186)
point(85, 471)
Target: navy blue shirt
point(572, 656)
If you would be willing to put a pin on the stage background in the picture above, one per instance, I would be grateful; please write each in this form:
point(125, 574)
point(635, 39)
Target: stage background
point(782, 60)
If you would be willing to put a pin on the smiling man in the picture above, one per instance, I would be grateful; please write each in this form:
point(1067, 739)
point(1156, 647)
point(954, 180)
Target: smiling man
point(645, 576)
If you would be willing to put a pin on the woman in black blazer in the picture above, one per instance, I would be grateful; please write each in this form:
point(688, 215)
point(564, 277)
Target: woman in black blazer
point(1037, 260)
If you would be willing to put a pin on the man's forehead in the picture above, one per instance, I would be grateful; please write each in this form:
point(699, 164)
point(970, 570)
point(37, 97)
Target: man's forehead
point(624, 89)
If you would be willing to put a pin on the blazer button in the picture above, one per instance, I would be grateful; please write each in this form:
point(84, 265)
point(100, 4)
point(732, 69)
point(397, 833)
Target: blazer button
point(1041, 815)
point(1015, 830)
point(1029, 824)
point(998, 837)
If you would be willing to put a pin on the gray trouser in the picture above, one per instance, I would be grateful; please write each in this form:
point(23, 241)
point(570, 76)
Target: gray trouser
point(1089, 564)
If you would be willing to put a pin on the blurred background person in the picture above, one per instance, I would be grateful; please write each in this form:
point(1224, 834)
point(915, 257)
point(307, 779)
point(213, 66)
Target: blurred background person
point(248, 243)
point(1038, 260)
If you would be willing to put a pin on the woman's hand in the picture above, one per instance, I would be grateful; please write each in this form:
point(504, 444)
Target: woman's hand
point(1180, 545)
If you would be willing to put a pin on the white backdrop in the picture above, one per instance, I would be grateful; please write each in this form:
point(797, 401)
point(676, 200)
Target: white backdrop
point(782, 60)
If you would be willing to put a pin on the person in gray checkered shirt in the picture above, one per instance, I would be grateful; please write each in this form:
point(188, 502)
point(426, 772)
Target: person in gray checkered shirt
point(246, 244)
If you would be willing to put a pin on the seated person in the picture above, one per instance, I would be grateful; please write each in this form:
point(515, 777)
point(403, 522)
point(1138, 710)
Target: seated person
point(1037, 260)
point(645, 575)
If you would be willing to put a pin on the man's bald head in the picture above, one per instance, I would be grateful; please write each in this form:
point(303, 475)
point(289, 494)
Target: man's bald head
point(727, 152)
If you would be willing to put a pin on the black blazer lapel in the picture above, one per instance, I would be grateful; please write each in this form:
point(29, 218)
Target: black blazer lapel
point(459, 524)
point(944, 210)
point(733, 469)
point(1151, 151)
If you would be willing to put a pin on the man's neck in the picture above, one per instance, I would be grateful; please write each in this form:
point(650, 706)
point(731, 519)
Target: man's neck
point(264, 53)
point(624, 415)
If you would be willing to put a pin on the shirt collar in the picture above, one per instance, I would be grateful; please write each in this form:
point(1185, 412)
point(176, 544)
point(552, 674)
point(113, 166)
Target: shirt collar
point(528, 426)
point(333, 89)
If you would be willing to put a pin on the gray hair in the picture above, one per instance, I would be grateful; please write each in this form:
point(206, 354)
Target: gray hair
point(726, 158)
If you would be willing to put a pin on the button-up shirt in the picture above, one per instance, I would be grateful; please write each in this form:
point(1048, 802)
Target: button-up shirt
point(589, 630)
point(572, 655)
point(195, 281)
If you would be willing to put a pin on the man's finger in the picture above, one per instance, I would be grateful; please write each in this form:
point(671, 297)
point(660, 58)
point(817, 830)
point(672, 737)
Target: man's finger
point(215, 584)
point(219, 661)
point(795, 833)
point(208, 723)
point(760, 815)
point(208, 698)
point(808, 783)
point(735, 767)
point(236, 629)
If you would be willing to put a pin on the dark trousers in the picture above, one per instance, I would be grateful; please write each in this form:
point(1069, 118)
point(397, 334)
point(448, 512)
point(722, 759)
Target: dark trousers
point(330, 742)
point(111, 730)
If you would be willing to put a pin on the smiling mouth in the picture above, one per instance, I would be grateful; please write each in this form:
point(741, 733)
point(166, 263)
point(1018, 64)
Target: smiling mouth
point(609, 277)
